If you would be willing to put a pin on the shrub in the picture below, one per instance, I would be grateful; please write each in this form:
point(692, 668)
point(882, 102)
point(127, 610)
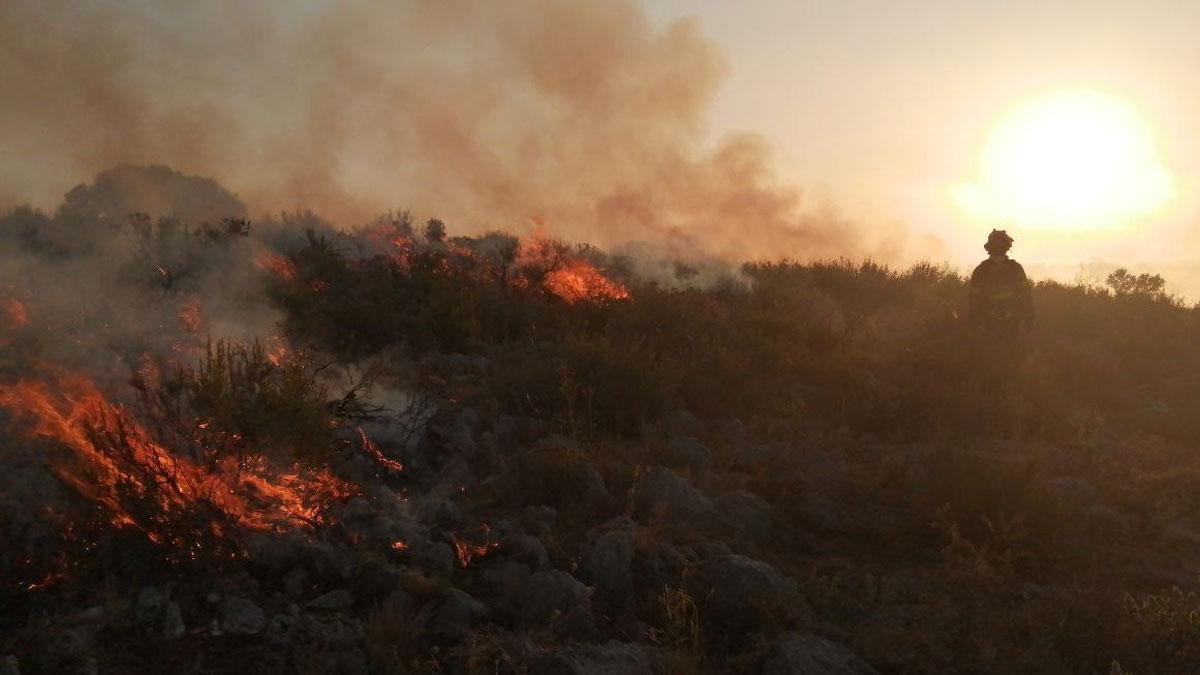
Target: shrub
point(244, 402)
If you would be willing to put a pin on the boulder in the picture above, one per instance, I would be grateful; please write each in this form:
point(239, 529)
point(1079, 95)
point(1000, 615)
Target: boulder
point(173, 626)
point(555, 598)
point(610, 658)
point(526, 549)
point(280, 552)
point(806, 654)
point(1075, 491)
point(735, 431)
point(333, 601)
point(608, 561)
point(554, 473)
point(240, 616)
point(455, 434)
point(663, 496)
point(333, 631)
point(69, 650)
point(454, 615)
point(436, 558)
point(150, 605)
point(658, 566)
point(739, 597)
point(682, 422)
point(685, 452)
point(511, 433)
point(322, 644)
point(743, 515)
point(506, 579)
point(540, 519)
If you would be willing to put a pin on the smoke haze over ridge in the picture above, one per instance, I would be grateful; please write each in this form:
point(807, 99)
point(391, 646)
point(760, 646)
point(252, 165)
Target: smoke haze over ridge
point(579, 115)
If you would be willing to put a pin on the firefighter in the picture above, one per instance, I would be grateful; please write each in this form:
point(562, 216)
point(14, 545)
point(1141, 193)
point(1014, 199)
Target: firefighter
point(1001, 303)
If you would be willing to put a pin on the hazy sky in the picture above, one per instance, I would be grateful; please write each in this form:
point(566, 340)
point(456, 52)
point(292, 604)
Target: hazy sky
point(881, 104)
point(614, 127)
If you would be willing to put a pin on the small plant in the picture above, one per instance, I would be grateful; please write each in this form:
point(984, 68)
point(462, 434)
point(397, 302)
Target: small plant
point(680, 630)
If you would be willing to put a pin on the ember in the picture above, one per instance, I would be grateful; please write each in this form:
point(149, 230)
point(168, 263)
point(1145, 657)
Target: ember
point(373, 450)
point(45, 582)
point(467, 551)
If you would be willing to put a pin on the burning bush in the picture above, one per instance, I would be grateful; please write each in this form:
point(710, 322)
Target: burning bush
point(245, 399)
point(182, 498)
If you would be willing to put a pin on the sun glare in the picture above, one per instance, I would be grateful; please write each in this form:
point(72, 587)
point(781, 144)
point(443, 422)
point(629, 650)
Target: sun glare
point(1069, 161)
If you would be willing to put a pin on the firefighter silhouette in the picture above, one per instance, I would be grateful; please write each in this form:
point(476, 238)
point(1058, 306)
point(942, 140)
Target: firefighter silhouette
point(1001, 303)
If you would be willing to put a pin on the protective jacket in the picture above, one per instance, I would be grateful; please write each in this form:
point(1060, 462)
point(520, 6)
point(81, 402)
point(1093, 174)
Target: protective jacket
point(1001, 297)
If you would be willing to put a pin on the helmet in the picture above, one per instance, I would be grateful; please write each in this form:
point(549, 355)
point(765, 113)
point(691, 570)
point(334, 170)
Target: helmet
point(998, 242)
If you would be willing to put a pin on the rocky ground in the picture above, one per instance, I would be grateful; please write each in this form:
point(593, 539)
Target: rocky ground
point(499, 547)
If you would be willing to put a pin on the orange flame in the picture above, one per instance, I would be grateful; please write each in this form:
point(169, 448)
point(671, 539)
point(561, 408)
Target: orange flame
point(189, 315)
point(16, 313)
point(399, 545)
point(466, 551)
point(45, 582)
point(373, 450)
point(248, 492)
point(570, 277)
point(387, 236)
point(277, 350)
point(578, 280)
point(276, 264)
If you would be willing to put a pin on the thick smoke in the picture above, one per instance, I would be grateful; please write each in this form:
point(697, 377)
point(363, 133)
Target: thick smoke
point(580, 115)
point(92, 287)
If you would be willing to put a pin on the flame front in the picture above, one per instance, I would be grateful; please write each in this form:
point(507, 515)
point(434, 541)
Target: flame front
point(570, 277)
point(242, 492)
point(578, 280)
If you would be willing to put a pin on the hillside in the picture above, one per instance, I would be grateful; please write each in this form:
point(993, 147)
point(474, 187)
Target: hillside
point(281, 446)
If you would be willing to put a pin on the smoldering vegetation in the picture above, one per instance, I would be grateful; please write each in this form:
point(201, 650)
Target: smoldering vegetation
point(584, 117)
point(272, 443)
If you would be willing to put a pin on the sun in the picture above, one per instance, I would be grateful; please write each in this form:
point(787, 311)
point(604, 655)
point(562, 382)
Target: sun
point(1069, 161)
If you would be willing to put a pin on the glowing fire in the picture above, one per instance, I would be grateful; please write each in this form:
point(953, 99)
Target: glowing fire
point(569, 277)
point(45, 582)
point(578, 280)
point(189, 316)
point(277, 350)
point(276, 264)
point(15, 313)
point(245, 492)
point(373, 450)
point(399, 545)
point(466, 551)
point(393, 240)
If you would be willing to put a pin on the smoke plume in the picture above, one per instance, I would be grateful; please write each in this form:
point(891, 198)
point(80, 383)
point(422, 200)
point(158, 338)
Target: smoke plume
point(579, 115)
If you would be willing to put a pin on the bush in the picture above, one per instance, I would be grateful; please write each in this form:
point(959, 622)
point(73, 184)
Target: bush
point(244, 401)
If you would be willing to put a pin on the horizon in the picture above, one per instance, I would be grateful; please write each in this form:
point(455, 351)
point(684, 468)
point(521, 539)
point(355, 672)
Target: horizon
point(836, 129)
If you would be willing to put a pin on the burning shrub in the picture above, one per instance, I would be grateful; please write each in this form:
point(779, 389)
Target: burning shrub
point(568, 275)
point(245, 399)
point(153, 483)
